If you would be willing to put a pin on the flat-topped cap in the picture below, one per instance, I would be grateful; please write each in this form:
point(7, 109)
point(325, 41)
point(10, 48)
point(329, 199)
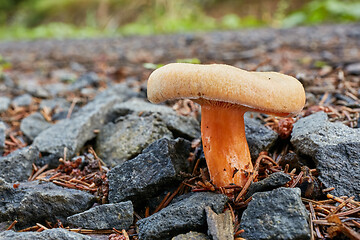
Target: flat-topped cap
point(264, 91)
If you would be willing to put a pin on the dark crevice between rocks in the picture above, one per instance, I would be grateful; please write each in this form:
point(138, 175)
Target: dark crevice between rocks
point(306, 160)
point(293, 159)
point(51, 159)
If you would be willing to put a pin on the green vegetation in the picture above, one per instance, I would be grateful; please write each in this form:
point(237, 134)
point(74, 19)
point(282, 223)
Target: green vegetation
point(4, 65)
point(316, 12)
point(31, 19)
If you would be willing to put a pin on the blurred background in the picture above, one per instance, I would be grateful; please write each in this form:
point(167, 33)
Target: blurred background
point(31, 19)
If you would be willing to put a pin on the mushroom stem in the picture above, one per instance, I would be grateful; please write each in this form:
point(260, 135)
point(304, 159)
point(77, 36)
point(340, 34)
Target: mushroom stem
point(225, 146)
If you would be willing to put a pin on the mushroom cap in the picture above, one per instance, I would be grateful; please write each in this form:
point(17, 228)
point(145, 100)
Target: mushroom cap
point(269, 92)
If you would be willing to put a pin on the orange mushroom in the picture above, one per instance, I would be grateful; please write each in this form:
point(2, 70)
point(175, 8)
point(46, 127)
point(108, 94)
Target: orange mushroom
point(225, 93)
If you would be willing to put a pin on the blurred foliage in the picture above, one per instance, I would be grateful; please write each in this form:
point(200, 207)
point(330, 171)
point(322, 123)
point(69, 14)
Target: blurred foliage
point(4, 65)
point(324, 11)
point(29, 19)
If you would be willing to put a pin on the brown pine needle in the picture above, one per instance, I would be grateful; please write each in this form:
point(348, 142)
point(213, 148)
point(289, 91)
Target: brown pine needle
point(12, 225)
point(38, 172)
point(297, 180)
point(162, 202)
point(343, 204)
point(250, 179)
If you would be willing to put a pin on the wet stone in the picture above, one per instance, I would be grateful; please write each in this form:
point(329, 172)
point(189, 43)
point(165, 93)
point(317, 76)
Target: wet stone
point(159, 166)
point(33, 202)
point(125, 139)
point(191, 236)
point(33, 125)
point(106, 216)
point(17, 166)
point(277, 214)
point(22, 100)
point(273, 181)
point(4, 104)
point(333, 148)
point(50, 234)
point(259, 137)
point(182, 216)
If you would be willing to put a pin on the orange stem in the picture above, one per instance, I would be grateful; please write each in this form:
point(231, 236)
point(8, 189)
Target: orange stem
point(225, 146)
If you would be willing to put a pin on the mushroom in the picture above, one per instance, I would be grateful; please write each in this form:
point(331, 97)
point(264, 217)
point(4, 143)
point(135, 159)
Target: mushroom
point(225, 93)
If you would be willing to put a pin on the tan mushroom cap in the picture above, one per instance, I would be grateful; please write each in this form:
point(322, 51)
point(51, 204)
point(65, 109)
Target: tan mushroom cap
point(264, 91)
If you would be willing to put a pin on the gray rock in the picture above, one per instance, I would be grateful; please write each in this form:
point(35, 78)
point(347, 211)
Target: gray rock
point(54, 89)
point(4, 104)
point(259, 137)
point(77, 67)
point(191, 236)
point(63, 75)
point(181, 126)
point(137, 106)
point(59, 107)
point(89, 91)
point(52, 160)
point(85, 80)
point(22, 100)
point(17, 166)
point(143, 177)
point(335, 150)
point(273, 181)
point(75, 132)
point(34, 202)
point(220, 226)
point(4, 225)
point(310, 99)
point(107, 216)
point(278, 214)
point(121, 141)
point(8, 81)
point(33, 125)
point(32, 86)
point(353, 68)
point(182, 216)
point(50, 234)
point(2, 137)
point(55, 103)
